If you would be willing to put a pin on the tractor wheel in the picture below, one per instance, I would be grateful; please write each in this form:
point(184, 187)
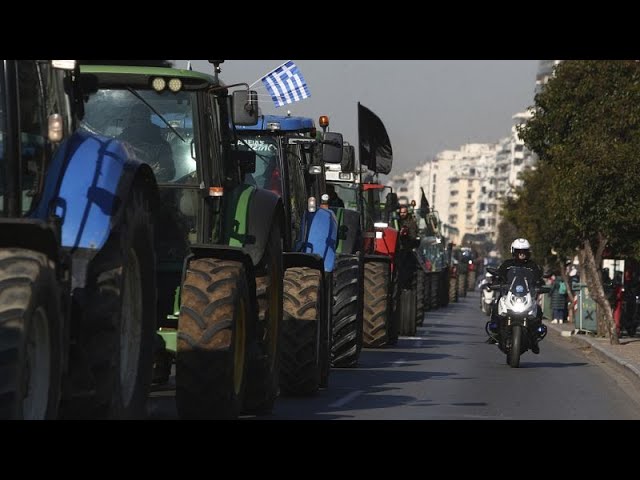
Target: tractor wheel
point(30, 336)
point(326, 330)
point(453, 289)
point(264, 363)
point(420, 299)
point(377, 309)
point(303, 304)
point(347, 311)
point(118, 322)
point(407, 309)
point(216, 320)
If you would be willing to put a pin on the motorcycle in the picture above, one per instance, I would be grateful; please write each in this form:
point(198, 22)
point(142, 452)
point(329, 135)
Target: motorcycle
point(487, 295)
point(517, 311)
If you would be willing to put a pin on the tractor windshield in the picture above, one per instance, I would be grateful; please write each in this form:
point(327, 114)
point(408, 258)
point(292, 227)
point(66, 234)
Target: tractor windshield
point(267, 174)
point(348, 193)
point(156, 127)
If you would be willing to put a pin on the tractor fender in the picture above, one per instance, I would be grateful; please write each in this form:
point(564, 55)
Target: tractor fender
point(387, 244)
point(321, 237)
point(349, 221)
point(377, 258)
point(87, 183)
point(265, 208)
point(299, 259)
point(88, 180)
point(30, 234)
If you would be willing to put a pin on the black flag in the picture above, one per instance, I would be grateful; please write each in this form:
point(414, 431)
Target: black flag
point(375, 147)
point(424, 205)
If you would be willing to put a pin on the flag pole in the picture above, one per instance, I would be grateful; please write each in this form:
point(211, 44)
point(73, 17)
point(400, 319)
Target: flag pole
point(359, 148)
point(260, 78)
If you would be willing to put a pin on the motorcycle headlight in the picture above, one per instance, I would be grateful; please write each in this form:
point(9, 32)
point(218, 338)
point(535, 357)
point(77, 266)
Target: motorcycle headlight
point(519, 306)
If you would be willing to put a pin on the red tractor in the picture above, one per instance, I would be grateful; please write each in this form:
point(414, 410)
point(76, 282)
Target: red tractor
point(380, 272)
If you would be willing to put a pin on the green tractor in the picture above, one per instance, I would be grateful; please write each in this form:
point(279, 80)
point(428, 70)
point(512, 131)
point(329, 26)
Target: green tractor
point(348, 287)
point(218, 241)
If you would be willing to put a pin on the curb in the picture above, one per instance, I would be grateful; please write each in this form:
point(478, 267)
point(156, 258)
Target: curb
point(600, 351)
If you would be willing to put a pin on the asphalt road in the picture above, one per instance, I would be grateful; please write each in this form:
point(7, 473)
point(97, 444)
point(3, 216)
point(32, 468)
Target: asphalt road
point(447, 372)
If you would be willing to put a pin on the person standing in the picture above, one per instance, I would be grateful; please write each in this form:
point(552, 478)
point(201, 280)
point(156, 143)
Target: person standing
point(558, 299)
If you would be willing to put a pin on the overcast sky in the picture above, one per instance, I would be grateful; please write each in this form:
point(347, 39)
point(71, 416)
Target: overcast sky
point(426, 105)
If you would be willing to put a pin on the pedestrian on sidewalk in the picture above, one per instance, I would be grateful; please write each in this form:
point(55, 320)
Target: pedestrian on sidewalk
point(558, 299)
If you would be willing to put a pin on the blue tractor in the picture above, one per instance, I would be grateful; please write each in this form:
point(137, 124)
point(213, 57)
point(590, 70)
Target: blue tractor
point(77, 262)
point(289, 162)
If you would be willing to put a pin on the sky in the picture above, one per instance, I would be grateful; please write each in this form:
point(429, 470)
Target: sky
point(426, 105)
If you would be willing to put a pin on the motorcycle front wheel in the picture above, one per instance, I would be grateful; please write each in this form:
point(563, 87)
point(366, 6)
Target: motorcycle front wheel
point(513, 355)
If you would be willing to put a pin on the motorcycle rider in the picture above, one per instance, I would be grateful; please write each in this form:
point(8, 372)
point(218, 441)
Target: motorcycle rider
point(521, 253)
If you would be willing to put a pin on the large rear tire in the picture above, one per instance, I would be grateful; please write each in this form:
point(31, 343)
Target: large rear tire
point(377, 305)
point(30, 336)
point(303, 304)
point(118, 321)
point(471, 280)
point(348, 293)
point(326, 330)
point(216, 320)
point(407, 312)
point(264, 363)
point(420, 298)
point(453, 289)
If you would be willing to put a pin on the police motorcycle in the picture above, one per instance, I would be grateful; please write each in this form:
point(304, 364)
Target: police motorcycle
point(517, 323)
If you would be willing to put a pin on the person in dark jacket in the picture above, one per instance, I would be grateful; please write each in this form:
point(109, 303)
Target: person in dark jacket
point(521, 257)
point(408, 229)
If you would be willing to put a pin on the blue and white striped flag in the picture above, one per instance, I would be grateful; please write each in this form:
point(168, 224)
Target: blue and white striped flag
point(285, 84)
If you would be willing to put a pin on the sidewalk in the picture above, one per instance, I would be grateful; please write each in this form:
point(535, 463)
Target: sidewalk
point(626, 355)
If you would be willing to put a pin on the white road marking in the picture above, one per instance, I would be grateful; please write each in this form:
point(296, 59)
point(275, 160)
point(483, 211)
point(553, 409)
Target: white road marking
point(413, 338)
point(346, 399)
point(399, 362)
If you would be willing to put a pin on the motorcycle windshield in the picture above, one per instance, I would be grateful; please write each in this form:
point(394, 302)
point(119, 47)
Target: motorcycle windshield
point(521, 280)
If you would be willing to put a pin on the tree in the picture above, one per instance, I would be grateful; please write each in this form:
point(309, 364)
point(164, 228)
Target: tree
point(585, 130)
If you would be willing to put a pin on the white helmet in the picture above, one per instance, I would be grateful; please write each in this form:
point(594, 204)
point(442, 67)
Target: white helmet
point(488, 275)
point(521, 245)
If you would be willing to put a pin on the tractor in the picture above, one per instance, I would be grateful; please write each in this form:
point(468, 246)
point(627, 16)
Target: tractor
point(77, 258)
point(218, 241)
point(289, 161)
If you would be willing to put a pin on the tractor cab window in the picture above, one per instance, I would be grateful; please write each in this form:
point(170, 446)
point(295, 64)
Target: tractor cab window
point(267, 174)
point(298, 193)
point(156, 128)
point(32, 129)
point(348, 193)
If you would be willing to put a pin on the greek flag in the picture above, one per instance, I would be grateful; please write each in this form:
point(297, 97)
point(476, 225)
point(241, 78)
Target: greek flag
point(285, 84)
